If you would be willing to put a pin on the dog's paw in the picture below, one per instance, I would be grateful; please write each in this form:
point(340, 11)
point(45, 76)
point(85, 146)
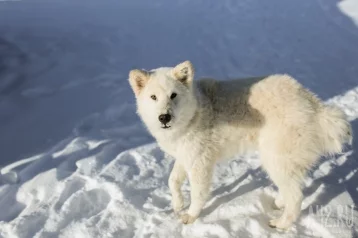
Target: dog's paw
point(280, 224)
point(187, 219)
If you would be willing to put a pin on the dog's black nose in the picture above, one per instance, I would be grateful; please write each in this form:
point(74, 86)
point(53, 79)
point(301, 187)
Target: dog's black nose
point(165, 118)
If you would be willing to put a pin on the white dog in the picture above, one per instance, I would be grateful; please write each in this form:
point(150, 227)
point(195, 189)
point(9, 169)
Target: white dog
point(201, 122)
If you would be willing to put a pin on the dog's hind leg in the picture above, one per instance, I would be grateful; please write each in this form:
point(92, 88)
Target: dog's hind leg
point(176, 179)
point(291, 194)
point(288, 177)
point(287, 153)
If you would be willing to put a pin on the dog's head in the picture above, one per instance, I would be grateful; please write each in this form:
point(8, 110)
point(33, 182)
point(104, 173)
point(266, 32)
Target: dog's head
point(165, 97)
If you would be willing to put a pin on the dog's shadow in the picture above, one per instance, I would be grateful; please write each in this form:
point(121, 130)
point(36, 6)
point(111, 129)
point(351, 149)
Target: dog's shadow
point(260, 179)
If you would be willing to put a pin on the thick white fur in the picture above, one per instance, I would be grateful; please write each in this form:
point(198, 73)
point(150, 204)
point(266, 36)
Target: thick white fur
point(213, 120)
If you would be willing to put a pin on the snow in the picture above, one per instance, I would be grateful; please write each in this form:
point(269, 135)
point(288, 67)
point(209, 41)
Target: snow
point(71, 165)
point(350, 8)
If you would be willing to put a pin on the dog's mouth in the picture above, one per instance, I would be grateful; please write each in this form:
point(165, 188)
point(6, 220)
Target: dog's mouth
point(165, 126)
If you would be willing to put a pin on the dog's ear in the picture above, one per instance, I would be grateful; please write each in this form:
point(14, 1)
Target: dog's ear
point(184, 72)
point(138, 79)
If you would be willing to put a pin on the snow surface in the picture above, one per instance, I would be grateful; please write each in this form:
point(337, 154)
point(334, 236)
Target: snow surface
point(69, 132)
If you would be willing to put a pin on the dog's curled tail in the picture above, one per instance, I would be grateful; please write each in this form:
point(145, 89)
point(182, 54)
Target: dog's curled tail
point(336, 130)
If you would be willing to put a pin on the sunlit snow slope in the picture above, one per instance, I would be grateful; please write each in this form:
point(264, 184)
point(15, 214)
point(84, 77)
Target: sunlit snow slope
point(69, 134)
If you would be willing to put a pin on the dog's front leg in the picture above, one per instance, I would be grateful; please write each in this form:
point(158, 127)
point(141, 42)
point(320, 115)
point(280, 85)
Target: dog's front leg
point(200, 179)
point(176, 179)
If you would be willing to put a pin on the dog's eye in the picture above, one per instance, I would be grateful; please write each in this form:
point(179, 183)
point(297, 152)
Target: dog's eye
point(153, 97)
point(173, 95)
